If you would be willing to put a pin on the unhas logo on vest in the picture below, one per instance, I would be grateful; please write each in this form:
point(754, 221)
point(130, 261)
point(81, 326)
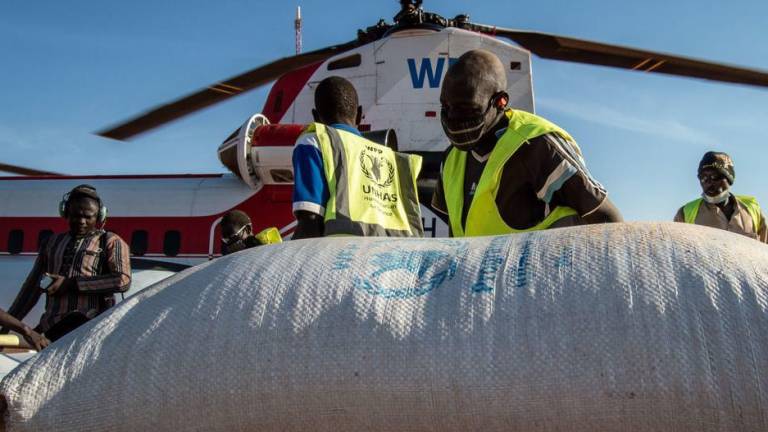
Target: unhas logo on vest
point(380, 171)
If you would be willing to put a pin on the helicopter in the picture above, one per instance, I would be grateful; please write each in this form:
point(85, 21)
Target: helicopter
point(397, 68)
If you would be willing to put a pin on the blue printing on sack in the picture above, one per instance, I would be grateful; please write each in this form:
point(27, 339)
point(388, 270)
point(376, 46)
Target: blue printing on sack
point(418, 263)
point(343, 259)
point(489, 266)
point(565, 260)
point(521, 277)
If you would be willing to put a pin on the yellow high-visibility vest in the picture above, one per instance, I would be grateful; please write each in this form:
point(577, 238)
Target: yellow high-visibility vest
point(691, 210)
point(484, 217)
point(372, 188)
point(270, 235)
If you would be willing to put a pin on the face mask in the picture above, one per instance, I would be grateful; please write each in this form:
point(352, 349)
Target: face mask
point(465, 134)
point(719, 198)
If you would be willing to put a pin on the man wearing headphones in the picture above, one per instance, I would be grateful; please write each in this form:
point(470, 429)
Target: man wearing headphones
point(83, 268)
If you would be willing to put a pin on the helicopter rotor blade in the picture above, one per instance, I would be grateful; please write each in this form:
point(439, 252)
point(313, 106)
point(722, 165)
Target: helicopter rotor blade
point(569, 49)
point(15, 169)
point(220, 91)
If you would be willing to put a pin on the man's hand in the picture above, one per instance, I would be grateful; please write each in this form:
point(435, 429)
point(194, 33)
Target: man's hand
point(309, 225)
point(60, 285)
point(34, 339)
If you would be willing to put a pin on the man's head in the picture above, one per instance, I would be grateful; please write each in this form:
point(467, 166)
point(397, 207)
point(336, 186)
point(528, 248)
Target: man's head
point(82, 208)
point(473, 98)
point(236, 229)
point(716, 175)
point(336, 102)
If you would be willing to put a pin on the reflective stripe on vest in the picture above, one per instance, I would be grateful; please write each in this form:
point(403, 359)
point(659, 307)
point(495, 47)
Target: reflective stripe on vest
point(691, 210)
point(484, 217)
point(372, 188)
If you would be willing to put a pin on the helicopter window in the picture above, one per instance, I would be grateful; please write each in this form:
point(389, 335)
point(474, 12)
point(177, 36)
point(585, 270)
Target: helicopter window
point(172, 243)
point(42, 237)
point(514, 65)
point(278, 105)
point(139, 242)
point(15, 241)
point(346, 62)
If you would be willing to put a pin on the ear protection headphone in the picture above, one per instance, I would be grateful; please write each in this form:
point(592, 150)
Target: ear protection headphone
point(501, 100)
point(83, 190)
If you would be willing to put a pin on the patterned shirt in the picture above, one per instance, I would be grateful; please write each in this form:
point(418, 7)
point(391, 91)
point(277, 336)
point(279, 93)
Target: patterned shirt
point(100, 265)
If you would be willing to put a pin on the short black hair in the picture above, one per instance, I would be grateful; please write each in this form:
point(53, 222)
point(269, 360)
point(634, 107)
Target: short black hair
point(336, 98)
point(236, 218)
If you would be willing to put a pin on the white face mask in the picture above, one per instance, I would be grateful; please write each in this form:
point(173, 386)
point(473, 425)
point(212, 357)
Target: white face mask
point(719, 198)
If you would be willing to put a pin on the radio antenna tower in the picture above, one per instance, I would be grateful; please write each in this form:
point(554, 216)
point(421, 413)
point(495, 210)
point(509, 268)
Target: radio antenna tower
point(297, 27)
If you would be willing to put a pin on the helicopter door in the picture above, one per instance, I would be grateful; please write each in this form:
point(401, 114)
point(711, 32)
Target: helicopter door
point(410, 66)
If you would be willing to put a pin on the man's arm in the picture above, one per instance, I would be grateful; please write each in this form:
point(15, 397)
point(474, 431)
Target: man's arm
point(118, 278)
point(310, 190)
point(561, 176)
point(679, 216)
point(34, 339)
point(762, 233)
point(606, 213)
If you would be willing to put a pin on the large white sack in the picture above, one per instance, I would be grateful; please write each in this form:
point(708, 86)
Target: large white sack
point(623, 327)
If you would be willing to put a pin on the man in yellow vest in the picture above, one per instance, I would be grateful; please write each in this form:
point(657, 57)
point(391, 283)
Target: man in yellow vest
point(345, 184)
point(507, 170)
point(718, 207)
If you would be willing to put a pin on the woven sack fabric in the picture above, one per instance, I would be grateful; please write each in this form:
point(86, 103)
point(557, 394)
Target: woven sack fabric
point(620, 327)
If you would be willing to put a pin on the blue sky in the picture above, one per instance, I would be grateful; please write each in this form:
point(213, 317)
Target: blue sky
point(70, 68)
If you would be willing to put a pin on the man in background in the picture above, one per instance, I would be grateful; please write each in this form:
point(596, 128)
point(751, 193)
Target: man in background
point(718, 207)
point(83, 268)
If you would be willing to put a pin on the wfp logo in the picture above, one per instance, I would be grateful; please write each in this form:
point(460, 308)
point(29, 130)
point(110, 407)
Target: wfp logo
point(376, 168)
point(397, 273)
point(426, 72)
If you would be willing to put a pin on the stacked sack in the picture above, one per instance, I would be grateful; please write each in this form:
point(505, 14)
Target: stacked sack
point(625, 327)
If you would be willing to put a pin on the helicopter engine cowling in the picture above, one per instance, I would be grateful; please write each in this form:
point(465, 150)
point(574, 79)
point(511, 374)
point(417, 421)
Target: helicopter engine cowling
point(260, 153)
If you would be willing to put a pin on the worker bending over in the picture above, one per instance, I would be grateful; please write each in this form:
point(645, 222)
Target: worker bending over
point(345, 184)
point(718, 207)
point(237, 233)
point(508, 170)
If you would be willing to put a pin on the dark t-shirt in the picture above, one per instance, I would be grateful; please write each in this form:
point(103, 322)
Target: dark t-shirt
point(545, 170)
